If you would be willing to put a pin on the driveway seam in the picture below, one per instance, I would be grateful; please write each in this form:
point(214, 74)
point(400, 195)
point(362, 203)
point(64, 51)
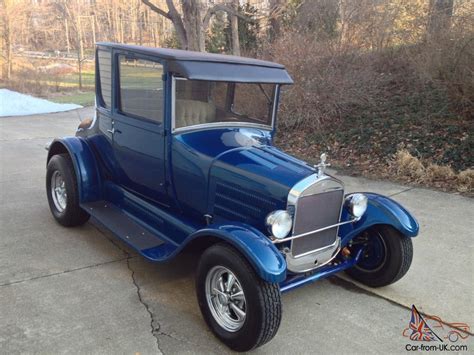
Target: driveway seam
point(25, 139)
point(62, 272)
point(400, 192)
point(350, 284)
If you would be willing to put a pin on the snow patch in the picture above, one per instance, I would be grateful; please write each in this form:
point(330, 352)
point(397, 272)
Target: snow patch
point(13, 103)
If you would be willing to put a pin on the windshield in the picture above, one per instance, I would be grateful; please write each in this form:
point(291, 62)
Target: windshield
point(206, 102)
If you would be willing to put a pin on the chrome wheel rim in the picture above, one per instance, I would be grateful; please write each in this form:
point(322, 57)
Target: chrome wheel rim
point(226, 298)
point(58, 191)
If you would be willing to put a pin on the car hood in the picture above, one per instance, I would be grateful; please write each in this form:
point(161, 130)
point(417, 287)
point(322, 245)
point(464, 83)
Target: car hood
point(246, 151)
point(247, 176)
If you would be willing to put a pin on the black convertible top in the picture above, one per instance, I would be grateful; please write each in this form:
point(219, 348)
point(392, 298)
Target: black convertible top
point(209, 66)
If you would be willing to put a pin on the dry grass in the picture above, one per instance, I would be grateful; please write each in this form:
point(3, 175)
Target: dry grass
point(46, 77)
point(410, 168)
point(408, 165)
point(466, 180)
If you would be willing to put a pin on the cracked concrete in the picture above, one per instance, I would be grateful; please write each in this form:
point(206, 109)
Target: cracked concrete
point(69, 291)
point(155, 330)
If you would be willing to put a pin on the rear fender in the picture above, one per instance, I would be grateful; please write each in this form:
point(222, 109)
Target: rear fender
point(380, 210)
point(85, 165)
point(262, 254)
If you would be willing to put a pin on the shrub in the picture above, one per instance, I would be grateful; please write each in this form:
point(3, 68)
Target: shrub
point(410, 168)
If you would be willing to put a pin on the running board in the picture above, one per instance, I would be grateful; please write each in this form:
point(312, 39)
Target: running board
point(140, 237)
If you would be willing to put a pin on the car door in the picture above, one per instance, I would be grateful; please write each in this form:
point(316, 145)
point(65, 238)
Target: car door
point(103, 141)
point(138, 129)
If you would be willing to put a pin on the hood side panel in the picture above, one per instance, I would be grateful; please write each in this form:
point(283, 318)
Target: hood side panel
point(247, 184)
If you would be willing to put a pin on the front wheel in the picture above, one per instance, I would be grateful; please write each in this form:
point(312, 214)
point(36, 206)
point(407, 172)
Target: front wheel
point(386, 257)
point(240, 308)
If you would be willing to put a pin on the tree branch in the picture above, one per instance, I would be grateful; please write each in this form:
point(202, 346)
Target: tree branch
point(156, 9)
point(220, 7)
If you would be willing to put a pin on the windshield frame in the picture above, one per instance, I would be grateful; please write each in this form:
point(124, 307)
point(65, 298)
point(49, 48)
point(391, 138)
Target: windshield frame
point(221, 124)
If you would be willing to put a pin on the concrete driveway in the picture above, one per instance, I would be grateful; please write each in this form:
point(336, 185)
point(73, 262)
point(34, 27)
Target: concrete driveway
point(82, 291)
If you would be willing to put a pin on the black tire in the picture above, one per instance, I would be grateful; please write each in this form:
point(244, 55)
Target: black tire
point(263, 304)
point(73, 214)
point(398, 255)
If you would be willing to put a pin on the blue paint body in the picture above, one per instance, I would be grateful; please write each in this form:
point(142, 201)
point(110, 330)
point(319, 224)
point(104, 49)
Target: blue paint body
point(167, 182)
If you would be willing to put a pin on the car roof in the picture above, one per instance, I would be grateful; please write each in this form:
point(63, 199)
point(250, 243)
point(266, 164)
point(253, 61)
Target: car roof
point(210, 66)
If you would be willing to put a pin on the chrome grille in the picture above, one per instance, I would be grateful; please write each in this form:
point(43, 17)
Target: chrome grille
point(313, 212)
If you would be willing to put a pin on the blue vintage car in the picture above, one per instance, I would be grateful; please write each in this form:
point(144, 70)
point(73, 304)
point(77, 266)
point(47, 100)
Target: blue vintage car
point(180, 153)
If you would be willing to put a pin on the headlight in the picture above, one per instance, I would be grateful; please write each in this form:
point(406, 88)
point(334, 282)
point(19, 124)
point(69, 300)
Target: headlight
point(356, 204)
point(279, 223)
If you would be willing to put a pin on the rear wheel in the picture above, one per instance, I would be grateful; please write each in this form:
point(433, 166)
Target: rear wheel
point(61, 189)
point(386, 257)
point(241, 309)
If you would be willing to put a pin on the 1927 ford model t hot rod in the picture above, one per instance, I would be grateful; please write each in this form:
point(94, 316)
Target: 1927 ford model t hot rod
point(180, 153)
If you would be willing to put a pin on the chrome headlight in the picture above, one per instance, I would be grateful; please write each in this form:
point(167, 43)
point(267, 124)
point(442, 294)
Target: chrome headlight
point(279, 223)
point(356, 204)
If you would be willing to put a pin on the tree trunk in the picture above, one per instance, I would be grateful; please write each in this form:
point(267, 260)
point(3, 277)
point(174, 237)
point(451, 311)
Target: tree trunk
point(8, 48)
point(343, 15)
point(121, 28)
point(193, 24)
point(274, 19)
point(80, 49)
point(6, 39)
point(140, 29)
point(68, 45)
point(93, 30)
point(234, 25)
point(440, 15)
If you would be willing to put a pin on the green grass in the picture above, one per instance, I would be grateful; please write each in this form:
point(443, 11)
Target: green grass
point(88, 79)
point(80, 98)
point(135, 77)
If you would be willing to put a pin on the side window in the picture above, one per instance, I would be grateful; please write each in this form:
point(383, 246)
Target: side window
point(141, 88)
point(105, 76)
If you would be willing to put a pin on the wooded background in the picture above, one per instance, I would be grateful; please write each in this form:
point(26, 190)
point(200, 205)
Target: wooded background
point(385, 86)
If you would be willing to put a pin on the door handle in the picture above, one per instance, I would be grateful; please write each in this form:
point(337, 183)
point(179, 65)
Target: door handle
point(113, 131)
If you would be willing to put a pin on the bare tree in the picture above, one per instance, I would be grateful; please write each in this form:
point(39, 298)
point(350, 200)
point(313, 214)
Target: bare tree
point(441, 12)
point(73, 13)
point(192, 25)
point(8, 9)
point(234, 25)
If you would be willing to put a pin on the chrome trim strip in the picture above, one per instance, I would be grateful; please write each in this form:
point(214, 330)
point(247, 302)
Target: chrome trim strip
point(320, 250)
point(276, 241)
point(173, 101)
point(303, 187)
point(305, 262)
point(222, 124)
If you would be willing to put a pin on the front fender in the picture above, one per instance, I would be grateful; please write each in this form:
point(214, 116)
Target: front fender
point(380, 210)
point(262, 254)
point(85, 165)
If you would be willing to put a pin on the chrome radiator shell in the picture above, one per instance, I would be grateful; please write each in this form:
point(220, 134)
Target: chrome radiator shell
point(315, 202)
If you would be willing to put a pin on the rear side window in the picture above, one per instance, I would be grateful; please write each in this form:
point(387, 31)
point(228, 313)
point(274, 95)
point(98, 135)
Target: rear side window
point(105, 76)
point(141, 88)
